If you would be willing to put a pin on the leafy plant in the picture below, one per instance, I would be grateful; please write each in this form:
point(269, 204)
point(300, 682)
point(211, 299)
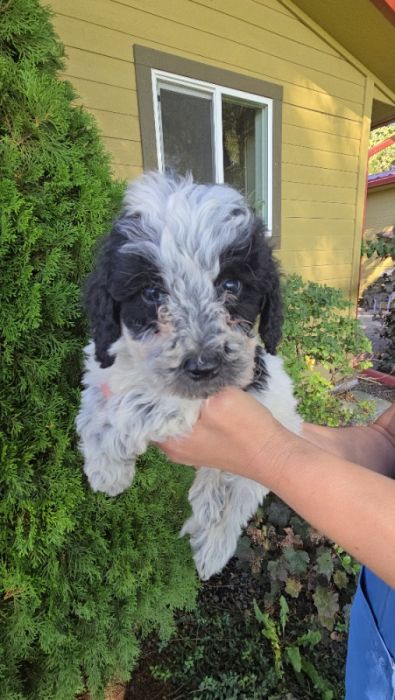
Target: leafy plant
point(383, 160)
point(308, 583)
point(321, 345)
point(233, 648)
point(290, 651)
point(299, 563)
point(160, 673)
point(381, 246)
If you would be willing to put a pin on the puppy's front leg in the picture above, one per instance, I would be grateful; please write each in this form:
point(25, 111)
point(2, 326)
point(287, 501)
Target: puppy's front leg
point(109, 455)
point(222, 505)
point(106, 470)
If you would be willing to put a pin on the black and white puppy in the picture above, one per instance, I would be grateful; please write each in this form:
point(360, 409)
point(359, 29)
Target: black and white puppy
point(173, 301)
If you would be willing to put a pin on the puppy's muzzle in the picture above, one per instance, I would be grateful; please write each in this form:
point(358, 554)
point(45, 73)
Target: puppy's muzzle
point(199, 367)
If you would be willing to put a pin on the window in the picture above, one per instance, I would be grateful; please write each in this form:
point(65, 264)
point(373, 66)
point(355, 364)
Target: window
point(218, 134)
point(221, 126)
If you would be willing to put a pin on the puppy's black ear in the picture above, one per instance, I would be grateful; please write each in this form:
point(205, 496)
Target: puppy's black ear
point(103, 311)
point(271, 317)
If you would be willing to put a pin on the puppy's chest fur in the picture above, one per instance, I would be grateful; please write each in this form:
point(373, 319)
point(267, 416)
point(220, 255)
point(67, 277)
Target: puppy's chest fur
point(138, 408)
point(143, 412)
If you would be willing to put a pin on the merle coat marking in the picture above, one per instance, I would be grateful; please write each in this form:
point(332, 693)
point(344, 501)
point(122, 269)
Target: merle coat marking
point(173, 302)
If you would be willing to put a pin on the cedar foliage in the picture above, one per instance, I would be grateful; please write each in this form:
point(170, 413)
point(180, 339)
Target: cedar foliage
point(82, 576)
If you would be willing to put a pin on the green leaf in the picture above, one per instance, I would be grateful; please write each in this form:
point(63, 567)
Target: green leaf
point(245, 552)
point(284, 610)
point(278, 513)
point(327, 604)
point(324, 563)
point(278, 569)
point(270, 631)
point(294, 657)
point(310, 639)
point(340, 578)
point(293, 587)
point(258, 613)
point(318, 681)
point(297, 560)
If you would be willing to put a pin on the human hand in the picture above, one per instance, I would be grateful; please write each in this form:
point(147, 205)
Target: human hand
point(232, 431)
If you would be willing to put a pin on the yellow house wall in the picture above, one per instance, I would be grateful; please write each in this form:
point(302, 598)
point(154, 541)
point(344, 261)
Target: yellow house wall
point(380, 210)
point(380, 215)
point(326, 109)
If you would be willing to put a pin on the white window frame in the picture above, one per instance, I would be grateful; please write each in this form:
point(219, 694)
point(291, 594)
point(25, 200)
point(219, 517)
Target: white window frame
point(216, 93)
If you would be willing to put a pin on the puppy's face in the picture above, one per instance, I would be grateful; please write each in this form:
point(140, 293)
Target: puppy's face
point(180, 281)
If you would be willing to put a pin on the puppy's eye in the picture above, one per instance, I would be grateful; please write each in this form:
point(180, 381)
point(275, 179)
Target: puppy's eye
point(231, 286)
point(154, 295)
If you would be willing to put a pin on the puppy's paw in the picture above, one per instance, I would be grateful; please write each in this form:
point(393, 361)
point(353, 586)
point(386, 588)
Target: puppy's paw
point(190, 527)
point(212, 547)
point(221, 507)
point(112, 480)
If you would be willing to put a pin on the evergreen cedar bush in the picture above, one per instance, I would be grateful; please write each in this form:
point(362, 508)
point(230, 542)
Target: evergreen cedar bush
point(82, 576)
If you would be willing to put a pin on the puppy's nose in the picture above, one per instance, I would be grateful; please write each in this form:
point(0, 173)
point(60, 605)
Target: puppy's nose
point(202, 367)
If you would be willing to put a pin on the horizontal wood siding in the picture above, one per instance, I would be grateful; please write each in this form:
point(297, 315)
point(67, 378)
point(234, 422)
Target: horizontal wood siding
point(380, 209)
point(380, 215)
point(323, 111)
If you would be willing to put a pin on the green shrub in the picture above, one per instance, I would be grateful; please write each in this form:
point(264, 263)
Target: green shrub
point(381, 246)
point(318, 335)
point(82, 576)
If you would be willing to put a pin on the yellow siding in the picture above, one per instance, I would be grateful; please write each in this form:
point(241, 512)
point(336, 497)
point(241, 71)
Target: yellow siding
point(380, 209)
point(325, 107)
point(380, 215)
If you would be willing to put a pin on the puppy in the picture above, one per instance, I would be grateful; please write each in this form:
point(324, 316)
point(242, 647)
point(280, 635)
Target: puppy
point(173, 302)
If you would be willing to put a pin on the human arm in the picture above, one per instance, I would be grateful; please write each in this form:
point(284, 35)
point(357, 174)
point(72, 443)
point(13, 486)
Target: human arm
point(372, 446)
point(351, 504)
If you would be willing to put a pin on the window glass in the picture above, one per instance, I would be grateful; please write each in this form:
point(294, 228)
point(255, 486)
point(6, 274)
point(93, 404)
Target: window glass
point(218, 134)
point(243, 138)
point(187, 125)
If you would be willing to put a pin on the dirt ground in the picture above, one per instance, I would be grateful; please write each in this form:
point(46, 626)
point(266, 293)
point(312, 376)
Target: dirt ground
point(374, 388)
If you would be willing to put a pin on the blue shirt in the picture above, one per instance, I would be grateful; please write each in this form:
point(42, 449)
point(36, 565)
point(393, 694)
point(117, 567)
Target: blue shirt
point(370, 669)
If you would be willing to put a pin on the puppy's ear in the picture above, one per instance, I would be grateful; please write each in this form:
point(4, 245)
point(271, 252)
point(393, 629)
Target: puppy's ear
point(103, 311)
point(271, 317)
